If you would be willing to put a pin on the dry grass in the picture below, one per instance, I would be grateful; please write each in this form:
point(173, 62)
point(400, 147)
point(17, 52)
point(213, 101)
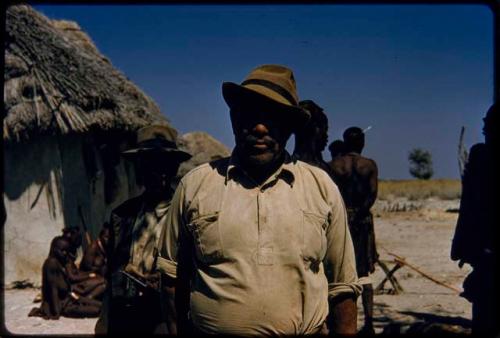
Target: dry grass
point(444, 189)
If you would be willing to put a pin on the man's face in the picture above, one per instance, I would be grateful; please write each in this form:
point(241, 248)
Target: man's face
point(489, 132)
point(321, 137)
point(260, 134)
point(157, 171)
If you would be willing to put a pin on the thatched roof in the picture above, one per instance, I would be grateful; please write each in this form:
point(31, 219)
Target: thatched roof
point(56, 81)
point(203, 147)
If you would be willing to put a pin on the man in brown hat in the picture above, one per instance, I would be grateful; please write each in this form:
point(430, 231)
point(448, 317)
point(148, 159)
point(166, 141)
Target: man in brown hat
point(259, 243)
point(357, 179)
point(132, 304)
point(476, 240)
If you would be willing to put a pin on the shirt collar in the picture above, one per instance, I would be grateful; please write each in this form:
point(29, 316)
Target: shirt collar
point(161, 208)
point(285, 171)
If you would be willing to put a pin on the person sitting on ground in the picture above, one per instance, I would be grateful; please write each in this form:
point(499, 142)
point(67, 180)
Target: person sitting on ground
point(57, 297)
point(95, 257)
point(83, 283)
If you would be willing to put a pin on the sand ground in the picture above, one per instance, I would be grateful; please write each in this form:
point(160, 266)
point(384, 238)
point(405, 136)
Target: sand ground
point(422, 236)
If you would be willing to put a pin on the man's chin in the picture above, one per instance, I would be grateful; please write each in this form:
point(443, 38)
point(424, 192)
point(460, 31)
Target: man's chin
point(258, 160)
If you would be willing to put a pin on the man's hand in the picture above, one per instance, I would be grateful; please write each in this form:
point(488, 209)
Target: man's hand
point(153, 281)
point(343, 315)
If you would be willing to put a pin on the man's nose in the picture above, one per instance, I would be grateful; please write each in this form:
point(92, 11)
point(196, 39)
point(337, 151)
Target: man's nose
point(260, 129)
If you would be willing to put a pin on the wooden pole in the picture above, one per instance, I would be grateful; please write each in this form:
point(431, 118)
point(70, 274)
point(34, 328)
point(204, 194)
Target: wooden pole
point(389, 276)
point(402, 261)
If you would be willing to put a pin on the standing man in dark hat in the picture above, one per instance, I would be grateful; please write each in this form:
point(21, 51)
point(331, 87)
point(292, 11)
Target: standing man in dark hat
point(476, 239)
point(133, 304)
point(259, 243)
point(312, 138)
point(357, 179)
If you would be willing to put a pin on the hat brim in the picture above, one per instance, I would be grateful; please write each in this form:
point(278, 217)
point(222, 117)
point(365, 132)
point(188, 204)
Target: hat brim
point(175, 154)
point(236, 95)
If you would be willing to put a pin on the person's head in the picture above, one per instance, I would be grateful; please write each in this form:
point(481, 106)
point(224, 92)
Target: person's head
point(316, 130)
point(336, 148)
point(73, 235)
point(264, 112)
point(157, 157)
point(354, 139)
point(491, 123)
point(60, 249)
point(104, 235)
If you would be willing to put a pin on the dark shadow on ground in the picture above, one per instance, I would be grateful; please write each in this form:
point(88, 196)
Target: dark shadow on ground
point(435, 318)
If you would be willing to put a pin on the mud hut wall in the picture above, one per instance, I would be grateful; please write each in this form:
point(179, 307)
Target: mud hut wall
point(46, 181)
point(32, 173)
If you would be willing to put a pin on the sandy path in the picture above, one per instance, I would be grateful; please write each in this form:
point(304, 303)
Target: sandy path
point(422, 237)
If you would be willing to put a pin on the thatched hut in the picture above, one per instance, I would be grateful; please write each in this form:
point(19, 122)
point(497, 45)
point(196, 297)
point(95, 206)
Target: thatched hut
point(67, 115)
point(203, 147)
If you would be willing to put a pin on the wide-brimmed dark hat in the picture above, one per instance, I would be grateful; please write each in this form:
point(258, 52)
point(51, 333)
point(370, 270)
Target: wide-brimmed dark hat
point(268, 84)
point(157, 139)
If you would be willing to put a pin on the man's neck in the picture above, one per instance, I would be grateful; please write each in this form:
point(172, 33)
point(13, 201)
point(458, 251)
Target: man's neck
point(307, 152)
point(356, 152)
point(261, 172)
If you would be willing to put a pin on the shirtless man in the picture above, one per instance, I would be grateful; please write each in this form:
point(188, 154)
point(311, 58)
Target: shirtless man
point(336, 148)
point(57, 296)
point(356, 177)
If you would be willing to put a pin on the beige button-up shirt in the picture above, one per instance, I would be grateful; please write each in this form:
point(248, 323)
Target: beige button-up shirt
point(265, 258)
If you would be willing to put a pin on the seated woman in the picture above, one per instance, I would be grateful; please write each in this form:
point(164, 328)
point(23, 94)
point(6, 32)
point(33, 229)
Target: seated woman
point(57, 297)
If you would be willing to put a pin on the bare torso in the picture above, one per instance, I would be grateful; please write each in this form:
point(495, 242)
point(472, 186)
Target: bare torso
point(356, 177)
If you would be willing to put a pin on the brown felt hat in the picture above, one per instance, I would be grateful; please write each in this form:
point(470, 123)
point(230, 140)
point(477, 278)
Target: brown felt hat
point(157, 139)
point(268, 84)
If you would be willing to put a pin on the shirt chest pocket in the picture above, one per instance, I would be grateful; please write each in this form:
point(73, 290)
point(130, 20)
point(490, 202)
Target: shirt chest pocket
point(207, 238)
point(314, 235)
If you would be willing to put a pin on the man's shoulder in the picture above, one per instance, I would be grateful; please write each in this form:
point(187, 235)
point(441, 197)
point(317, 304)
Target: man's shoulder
point(205, 171)
point(478, 149)
point(311, 172)
point(366, 162)
point(337, 163)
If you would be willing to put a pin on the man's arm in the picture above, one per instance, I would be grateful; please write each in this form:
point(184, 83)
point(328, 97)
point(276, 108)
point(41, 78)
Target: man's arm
point(168, 299)
point(343, 314)
point(373, 185)
point(183, 285)
point(340, 268)
point(75, 275)
point(170, 249)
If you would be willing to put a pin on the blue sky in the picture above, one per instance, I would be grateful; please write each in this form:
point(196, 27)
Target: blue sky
point(415, 73)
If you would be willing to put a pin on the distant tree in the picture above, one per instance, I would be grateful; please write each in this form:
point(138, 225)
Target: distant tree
point(420, 164)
